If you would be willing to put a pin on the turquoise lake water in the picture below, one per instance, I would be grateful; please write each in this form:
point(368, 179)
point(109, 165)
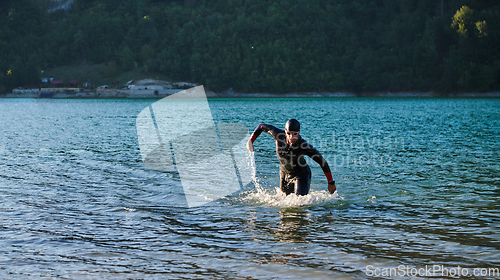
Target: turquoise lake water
point(418, 186)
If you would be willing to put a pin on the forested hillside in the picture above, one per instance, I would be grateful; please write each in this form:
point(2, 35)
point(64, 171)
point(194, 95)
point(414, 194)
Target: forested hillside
point(263, 45)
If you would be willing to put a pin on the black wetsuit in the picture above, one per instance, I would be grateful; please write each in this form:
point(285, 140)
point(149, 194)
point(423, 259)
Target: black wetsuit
point(295, 174)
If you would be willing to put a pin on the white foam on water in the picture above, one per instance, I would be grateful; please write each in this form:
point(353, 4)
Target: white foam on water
point(275, 197)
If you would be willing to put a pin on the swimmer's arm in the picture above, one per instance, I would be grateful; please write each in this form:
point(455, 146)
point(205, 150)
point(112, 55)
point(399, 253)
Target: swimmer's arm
point(269, 129)
point(250, 146)
point(316, 156)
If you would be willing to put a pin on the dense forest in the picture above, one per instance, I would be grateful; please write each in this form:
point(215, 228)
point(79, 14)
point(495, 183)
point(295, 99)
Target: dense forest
point(262, 45)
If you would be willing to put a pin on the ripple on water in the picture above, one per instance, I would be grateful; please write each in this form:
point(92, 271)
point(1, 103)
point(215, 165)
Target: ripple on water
point(78, 203)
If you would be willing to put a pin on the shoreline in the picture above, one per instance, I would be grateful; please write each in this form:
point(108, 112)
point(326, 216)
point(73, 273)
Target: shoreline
point(149, 94)
point(359, 95)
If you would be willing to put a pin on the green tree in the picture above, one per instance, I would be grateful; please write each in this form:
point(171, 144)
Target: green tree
point(303, 45)
point(127, 58)
point(463, 21)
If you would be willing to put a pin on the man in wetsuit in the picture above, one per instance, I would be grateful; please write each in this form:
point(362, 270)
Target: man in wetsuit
point(295, 174)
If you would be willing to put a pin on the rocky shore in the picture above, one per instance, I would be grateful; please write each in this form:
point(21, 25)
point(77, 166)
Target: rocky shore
point(164, 93)
point(158, 89)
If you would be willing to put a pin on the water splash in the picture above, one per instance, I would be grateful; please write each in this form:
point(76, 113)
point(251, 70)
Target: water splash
point(275, 197)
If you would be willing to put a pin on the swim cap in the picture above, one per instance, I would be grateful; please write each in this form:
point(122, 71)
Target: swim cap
point(292, 125)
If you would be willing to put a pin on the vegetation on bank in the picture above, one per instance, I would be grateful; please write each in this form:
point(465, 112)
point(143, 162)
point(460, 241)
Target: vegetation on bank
point(259, 45)
point(99, 74)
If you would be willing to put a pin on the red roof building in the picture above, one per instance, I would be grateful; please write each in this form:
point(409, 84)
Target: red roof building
point(57, 83)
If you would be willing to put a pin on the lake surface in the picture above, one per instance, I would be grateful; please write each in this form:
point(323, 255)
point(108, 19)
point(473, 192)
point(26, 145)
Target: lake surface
point(418, 185)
